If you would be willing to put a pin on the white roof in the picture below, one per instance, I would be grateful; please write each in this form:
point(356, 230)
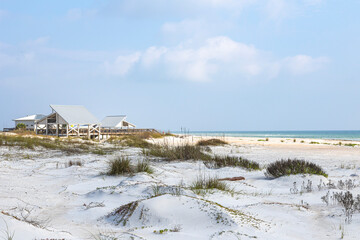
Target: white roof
point(30, 117)
point(112, 121)
point(75, 114)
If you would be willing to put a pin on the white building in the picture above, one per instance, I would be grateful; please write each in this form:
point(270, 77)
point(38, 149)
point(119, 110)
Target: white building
point(69, 120)
point(116, 122)
point(29, 121)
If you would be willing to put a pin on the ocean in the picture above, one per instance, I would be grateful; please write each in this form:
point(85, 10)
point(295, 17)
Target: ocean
point(338, 135)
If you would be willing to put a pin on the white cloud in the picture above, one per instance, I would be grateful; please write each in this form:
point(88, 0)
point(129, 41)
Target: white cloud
point(215, 58)
point(303, 64)
point(152, 55)
point(122, 64)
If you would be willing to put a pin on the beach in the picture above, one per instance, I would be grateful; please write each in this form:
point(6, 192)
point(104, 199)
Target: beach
point(43, 197)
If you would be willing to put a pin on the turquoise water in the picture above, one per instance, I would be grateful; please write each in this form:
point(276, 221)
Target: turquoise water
point(339, 135)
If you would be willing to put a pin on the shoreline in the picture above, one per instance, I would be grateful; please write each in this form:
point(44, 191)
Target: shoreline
point(299, 142)
point(318, 135)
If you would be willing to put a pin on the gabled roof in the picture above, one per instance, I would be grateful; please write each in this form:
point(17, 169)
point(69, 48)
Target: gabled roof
point(30, 117)
point(75, 114)
point(112, 121)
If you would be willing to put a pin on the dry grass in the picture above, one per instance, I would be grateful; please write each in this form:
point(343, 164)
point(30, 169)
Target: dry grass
point(292, 167)
point(74, 163)
point(67, 145)
point(183, 152)
point(211, 142)
point(122, 165)
point(228, 161)
point(208, 183)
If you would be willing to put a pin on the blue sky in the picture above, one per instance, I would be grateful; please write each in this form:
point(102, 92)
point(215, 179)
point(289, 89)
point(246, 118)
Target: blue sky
point(200, 64)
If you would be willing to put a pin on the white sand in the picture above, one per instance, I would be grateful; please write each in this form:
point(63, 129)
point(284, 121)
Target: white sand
point(41, 198)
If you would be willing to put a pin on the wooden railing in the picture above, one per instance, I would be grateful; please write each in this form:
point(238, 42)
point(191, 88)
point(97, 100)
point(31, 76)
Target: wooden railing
point(107, 131)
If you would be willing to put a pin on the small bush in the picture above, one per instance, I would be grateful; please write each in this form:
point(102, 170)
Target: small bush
point(144, 166)
point(74, 163)
point(131, 141)
point(120, 166)
point(99, 152)
point(290, 167)
point(184, 152)
point(208, 183)
point(225, 161)
point(350, 144)
point(312, 142)
point(211, 142)
point(20, 126)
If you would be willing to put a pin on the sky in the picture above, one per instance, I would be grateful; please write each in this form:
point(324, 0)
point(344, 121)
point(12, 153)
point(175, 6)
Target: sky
point(220, 65)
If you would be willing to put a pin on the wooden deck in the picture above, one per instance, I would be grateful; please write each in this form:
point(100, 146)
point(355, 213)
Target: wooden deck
point(106, 131)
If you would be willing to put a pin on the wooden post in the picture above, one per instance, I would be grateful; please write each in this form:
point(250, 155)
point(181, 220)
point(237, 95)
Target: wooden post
point(88, 133)
point(57, 130)
point(67, 130)
point(78, 128)
point(99, 132)
point(47, 131)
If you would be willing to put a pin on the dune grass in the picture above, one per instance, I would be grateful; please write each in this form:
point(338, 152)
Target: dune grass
point(229, 161)
point(203, 182)
point(183, 152)
point(135, 140)
point(66, 145)
point(122, 165)
point(191, 152)
point(144, 166)
point(211, 142)
point(292, 167)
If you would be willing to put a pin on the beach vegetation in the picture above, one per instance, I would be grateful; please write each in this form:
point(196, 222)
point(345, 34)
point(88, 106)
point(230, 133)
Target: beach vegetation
point(122, 165)
point(292, 167)
point(203, 182)
point(191, 152)
point(144, 166)
point(229, 161)
point(182, 152)
point(211, 142)
point(20, 126)
point(312, 142)
point(74, 163)
point(136, 140)
point(119, 166)
point(7, 233)
point(350, 144)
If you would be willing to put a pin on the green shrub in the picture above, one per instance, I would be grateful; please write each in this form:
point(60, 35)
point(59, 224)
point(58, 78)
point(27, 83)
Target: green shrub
point(74, 163)
point(291, 167)
point(314, 142)
point(131, 141)
point(184, 152)
point(211, 142)
point(225, 161)
point(20, 126)
point(144, 166)
point(119, 166)
point(350, 144)
point(208, 183)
